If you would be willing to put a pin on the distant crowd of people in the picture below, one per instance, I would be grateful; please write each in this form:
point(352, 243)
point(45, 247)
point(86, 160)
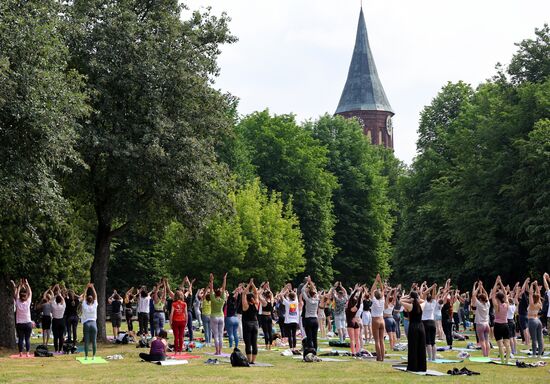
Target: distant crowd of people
point(360, 313)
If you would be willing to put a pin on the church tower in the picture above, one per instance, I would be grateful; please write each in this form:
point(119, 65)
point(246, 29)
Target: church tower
point(363, 96)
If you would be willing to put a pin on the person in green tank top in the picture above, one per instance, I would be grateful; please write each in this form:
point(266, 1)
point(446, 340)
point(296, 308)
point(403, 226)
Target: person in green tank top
point(217, 299)
point(159, 303)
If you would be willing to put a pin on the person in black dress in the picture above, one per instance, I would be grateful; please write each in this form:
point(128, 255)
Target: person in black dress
point(416, 335)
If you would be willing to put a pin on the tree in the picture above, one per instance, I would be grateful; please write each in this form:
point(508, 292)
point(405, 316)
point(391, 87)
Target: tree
point(425, 247)
point(530, 188)
point(288, 159)
point(40, 100)
point(261, 240)
point(149, 146)
point(361, 205)
point(532, 61)
point(476, 203)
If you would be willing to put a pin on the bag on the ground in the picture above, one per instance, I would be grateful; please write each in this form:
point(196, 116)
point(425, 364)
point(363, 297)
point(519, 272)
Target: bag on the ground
point(122, 338)
point(69, 349)
point(338, 344)
point(309, 351)
point(42, 351)
point(238, 359)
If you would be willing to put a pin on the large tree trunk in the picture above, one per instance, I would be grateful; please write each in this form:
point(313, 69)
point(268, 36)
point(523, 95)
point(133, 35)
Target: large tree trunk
point(98, 273)
point(7, 320)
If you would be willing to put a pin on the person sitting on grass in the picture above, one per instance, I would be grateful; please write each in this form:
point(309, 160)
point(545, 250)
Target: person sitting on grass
point(158, 348)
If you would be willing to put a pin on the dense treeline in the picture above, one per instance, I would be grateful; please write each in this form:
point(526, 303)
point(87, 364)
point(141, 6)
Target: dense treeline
point(477, 202)
point(121, 163)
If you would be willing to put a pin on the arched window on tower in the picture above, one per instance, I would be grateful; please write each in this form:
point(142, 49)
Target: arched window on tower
point(380, 137)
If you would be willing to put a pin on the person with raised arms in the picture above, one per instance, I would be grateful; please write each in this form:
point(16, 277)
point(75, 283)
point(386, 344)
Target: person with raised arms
point(352, 322)
point(266, 315)
point(377, 311)
point(45, 306)
point(250, 301)
point(428, 318)
point(447, 314)
point(311, 324)
point(58, 319)
point(217, 299)
point(510, 317)
point(231, 319)
point(89, 320)
point(389, 321)
point(129, 299)
point(480, 301)
point(115, 301)
point(499, 297)
point(535, 325)
point(159, 303)
point(178, 320)
point(416, 337)
point(22, 297)
point(522, 311)
point(292, 314)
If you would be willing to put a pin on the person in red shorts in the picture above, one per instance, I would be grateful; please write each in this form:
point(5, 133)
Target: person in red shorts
point(178, 320)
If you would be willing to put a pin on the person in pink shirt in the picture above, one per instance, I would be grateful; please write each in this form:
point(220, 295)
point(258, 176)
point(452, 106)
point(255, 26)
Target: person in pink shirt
point(22, 296)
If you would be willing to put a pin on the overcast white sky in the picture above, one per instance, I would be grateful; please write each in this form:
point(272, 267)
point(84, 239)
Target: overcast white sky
point(293, 55)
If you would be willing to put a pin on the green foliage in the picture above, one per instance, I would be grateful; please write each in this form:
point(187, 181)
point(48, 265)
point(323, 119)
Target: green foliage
point(261, 240)
point(477, 202)
point(532, 61)
point(40, 100)
point(136, 260)
point(425, 248)
point(289, 160)
point(150, 141)
point(361, 203)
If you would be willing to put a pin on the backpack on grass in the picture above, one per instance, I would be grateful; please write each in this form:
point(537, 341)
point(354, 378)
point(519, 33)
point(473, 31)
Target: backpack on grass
point(238, 359)
point(42, 351)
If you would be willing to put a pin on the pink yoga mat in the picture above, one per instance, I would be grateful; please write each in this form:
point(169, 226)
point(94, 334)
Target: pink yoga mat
point(16, 356)
point(182, 357)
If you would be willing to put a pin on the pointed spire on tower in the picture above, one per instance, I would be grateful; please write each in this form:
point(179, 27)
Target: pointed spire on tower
point(363, 90)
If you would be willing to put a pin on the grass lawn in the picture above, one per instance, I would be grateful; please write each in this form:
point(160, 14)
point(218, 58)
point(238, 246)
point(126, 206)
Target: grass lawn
point(65, 369)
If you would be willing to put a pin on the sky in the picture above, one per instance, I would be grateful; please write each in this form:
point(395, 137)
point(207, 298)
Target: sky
point(293, 55)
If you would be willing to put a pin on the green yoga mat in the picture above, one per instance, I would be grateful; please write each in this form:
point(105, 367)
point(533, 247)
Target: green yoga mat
point(501, 363)
point(445, 361)
point(480, 359)
point(97, 360)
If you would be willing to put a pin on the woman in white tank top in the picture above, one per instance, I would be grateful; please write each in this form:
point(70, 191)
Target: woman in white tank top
point(377, 309)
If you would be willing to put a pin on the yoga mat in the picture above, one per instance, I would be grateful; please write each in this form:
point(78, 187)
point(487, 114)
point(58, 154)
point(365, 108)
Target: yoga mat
point(480, 359)
point(332, 360)
point(97, 360)
point(501, 363)
point(21, 357)
point(429, 372)
point(445, 361)
point(183, 356)
point(222, 355)
point(171, 362)
point(256, 364)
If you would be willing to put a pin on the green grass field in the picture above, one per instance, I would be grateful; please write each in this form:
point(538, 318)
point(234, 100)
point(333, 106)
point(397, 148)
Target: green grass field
point(65, 369)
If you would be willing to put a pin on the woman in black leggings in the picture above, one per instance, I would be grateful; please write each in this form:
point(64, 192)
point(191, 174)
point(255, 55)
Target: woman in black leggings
point(266, 315)
point(311, 324)
point(22, 295)
point(250, 321)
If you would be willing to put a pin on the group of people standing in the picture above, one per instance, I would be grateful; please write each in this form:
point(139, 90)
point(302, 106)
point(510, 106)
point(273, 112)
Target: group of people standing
point(361, 314)
point(61, 311)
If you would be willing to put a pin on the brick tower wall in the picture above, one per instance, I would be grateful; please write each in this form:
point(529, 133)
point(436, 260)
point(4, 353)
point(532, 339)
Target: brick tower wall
point(373, 122)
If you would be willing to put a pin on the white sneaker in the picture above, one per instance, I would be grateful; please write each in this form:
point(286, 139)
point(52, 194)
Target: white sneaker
point(511, 355)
